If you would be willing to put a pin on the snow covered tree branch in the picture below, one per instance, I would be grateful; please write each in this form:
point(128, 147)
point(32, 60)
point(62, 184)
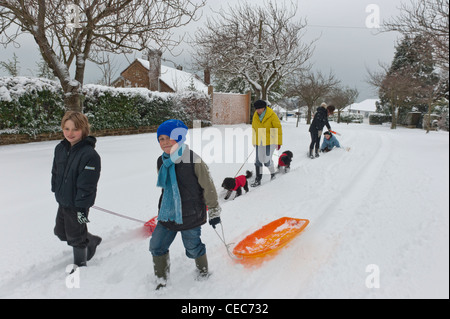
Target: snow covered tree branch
point(69, 33)
point(260, 44)
point(429, 19)
point(311, 87)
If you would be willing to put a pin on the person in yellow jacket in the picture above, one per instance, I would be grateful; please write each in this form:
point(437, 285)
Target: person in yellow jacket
point(267, 137)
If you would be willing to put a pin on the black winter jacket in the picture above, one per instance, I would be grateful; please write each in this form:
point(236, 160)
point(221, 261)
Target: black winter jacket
point(191, 193)
point(320, 120)
point(75, 174)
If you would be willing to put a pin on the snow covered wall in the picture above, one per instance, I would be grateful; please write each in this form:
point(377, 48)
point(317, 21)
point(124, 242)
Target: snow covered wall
point(33, 106)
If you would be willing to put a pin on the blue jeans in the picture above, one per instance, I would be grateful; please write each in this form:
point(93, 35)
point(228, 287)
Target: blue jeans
point(163, 237)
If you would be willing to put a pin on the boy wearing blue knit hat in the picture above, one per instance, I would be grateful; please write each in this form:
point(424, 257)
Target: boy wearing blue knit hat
point(187, 191)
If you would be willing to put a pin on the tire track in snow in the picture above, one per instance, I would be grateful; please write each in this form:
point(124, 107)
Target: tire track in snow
point(359, 187)
point(320, 240)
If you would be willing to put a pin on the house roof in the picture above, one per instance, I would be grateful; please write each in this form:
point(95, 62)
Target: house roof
point(364, 106)
point(176, 79)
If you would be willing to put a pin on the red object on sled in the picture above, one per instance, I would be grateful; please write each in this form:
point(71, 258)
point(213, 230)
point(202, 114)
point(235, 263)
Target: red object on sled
point(335, 133)
point(270, 237)
point(151, 225)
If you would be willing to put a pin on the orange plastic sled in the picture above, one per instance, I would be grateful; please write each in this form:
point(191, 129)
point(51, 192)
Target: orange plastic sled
point(270, 237)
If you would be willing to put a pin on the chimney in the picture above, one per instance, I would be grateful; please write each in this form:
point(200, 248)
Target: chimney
point(154, 69)
point(207, 76)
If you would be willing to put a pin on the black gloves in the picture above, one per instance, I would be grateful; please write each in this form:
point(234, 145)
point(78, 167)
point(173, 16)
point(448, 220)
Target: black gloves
point(214, 221)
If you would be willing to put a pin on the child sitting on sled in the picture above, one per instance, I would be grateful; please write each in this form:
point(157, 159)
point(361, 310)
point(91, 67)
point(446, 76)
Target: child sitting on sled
point(329, 142)
point(187, 191)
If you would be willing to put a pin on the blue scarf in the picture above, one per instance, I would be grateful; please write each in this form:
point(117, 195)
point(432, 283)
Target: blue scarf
point(170, 209)
point(261, 117)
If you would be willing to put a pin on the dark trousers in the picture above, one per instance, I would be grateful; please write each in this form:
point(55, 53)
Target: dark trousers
point(315, 140)
point(67, 228)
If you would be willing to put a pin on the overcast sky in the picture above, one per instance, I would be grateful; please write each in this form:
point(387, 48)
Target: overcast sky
point(348, 44)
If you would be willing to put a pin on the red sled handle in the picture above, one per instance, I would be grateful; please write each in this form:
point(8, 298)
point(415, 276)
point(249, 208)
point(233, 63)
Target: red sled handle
point(336, 133)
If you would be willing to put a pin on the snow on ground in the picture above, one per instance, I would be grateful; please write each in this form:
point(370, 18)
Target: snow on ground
point(379, 217)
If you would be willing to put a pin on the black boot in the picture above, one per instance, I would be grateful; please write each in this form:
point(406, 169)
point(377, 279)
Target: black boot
point(258, 178)
point(94, 241)
point(257, 181)
point(80, 256)
point(311, 153)
point(317, 153)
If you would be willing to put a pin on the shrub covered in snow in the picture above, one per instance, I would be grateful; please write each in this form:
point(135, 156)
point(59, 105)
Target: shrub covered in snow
point(195, 106)
point(379, 118)
point(32, 106)
point(347, 117)
point(29, 105)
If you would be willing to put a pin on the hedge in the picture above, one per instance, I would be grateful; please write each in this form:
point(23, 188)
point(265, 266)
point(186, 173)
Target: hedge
point(34, 105)
point(379, 118)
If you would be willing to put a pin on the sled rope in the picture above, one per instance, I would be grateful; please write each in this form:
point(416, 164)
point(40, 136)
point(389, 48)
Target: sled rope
point(227, 246)
point(244, 162)
point(117, 214)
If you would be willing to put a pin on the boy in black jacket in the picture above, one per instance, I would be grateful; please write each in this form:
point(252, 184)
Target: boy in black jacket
point(75, 174)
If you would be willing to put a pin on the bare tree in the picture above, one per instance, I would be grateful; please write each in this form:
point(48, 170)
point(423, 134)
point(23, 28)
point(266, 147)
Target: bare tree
point(12, 67)
point(411, 80)
point(397, 87)
point(108, 69)
point(261, 44)
point(70, 32)
point(43, 70)
point(311, 87)
point(430, 19)
point(341, 97)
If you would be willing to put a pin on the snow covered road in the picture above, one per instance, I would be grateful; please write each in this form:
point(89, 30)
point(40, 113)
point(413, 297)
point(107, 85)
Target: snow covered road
point(378, 216)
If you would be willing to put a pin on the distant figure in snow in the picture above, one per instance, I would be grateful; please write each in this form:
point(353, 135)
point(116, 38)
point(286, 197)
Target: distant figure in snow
point(330, 141)
point(315, 129)
point(75, 174)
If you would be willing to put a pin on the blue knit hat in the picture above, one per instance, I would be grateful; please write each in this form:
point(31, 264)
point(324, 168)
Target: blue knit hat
point(175, 129)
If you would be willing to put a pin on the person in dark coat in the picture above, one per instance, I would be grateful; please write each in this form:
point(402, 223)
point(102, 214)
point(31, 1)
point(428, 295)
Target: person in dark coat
point(75, 174)
point(188, 197)
point(315, 129)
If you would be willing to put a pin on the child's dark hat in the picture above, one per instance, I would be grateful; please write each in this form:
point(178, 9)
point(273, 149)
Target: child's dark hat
point(260, 104)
